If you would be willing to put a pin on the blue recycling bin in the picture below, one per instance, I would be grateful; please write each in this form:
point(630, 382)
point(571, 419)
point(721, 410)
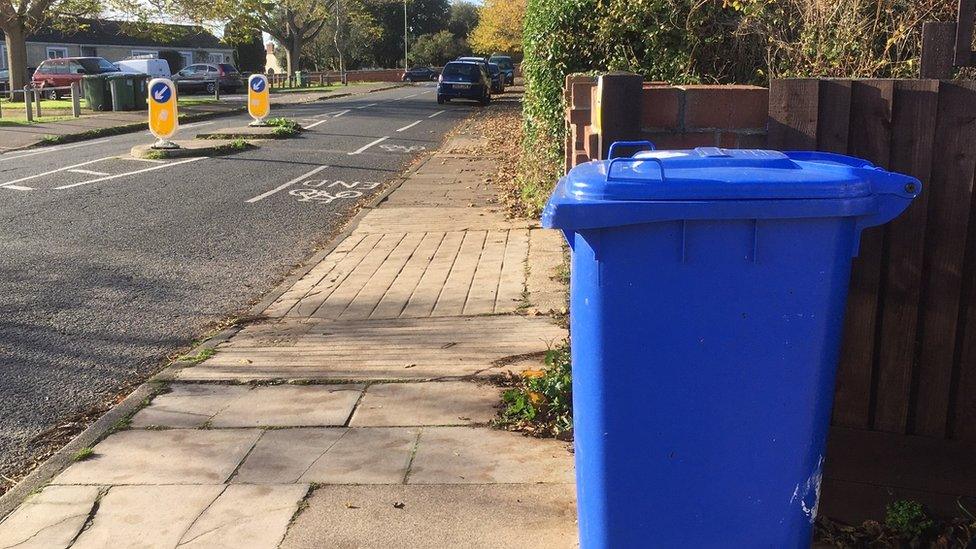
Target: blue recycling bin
point(707, 302)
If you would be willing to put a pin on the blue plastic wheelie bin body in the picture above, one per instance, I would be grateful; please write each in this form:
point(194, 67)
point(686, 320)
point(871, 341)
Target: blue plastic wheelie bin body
point(707, 298)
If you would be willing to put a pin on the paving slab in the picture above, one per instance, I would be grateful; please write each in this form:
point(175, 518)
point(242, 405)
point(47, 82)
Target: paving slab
point(421, 219)
point(473, 516)
point(330, 456)
point(291, 406)
point(428, 403)
point(246, 516)
point(400, 349)
point(546, 291)
point(465, 455)
point(176, 456)
point(51, 518)
point(146, 517)
point(415, 275)
point(187, 405)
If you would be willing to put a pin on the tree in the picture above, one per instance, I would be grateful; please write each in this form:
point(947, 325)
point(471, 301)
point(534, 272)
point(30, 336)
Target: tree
point(18, 18)
point(346, 40)
point(249, 52)
point(436, 49)
point(463, 19)
point(423, 17)
point(499, 27)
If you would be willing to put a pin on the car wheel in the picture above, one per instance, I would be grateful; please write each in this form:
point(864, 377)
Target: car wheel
point(211, 87)
point(440, 100)
point(51, 94)
point(485, 101)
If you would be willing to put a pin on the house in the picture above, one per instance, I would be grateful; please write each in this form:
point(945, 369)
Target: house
point(271, 63)
point(117, 40)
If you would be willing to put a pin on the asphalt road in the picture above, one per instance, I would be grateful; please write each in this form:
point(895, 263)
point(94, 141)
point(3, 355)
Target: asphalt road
point(108, 265)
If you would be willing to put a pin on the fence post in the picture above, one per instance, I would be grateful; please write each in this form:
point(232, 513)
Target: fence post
point(27, 103)
point(217, 90)
point(938, 40)
point(616, 110)
point(37, 101)
point(75, 99)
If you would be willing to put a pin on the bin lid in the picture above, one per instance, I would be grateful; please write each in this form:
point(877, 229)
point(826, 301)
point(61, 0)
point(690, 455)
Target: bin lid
point(714, 183)
point(711, 173)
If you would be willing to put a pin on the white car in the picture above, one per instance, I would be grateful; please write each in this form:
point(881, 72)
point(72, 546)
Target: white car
point(155, 68)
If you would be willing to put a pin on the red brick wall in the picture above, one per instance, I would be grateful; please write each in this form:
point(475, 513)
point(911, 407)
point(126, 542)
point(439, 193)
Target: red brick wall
point(704, 115)
point(673, 117)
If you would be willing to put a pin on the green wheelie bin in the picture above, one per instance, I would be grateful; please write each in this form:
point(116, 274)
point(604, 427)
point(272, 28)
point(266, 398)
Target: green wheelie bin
point(94, 88)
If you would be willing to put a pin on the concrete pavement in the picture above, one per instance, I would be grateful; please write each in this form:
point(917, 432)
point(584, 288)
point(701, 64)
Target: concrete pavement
point(365, 419)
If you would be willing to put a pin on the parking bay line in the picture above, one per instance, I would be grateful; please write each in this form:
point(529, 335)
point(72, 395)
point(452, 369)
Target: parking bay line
point(313, 124)
point(368, 145)
point(54, 171)
point(54, 149)
point(18, 188)
point(87, 172)
point(285, 185)
point(144, 170)
point(436, 113)
point(367, 106)
point(408, 126)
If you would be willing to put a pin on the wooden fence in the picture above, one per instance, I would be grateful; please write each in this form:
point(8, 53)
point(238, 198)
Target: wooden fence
point(908, 364)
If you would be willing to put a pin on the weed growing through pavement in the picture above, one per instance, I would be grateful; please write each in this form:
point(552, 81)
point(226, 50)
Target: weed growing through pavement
point(83, 454)
point(542, 400)
point(204, 354)
point(907, 518)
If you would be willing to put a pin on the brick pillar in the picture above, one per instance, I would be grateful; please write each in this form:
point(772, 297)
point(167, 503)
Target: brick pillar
point(616, 110)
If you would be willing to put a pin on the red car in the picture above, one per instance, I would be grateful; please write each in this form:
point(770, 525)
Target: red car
point(58, 73)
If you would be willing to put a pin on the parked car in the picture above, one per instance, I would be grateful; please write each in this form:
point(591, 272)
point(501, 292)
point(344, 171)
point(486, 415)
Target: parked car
point(507, 66)
point(480, 60)
point(61, 73)
point(464, 80)
point(420, 74)
point(205, 77)
point(497, 78)
point(155, 68)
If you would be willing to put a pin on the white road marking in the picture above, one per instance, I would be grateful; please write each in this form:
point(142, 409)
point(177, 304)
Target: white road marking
point(285, 185)
point(88, 172)
point(53, 149)
point(144, 170)
point(367, 106)
point(313, 124)
point(197, 125)
point(54, 171)
point(146, 160)
point(436, 113)
point(408, 126)
point(336, 113)
point(18, 188)
point(340, 113)
point(364, 147)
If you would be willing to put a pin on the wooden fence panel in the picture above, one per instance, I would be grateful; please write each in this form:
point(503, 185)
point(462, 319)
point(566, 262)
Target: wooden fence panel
point(950, 209)
point(912, 133)
point(908, 364)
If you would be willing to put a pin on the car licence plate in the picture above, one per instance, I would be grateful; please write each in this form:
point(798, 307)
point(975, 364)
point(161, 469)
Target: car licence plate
point(462, 86)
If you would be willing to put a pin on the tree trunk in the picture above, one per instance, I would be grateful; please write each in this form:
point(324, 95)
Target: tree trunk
point(294, 54)
point(16, 54)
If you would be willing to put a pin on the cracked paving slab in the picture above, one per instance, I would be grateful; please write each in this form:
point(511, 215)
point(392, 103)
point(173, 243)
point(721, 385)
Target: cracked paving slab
point(49, 519)
point(177, 456)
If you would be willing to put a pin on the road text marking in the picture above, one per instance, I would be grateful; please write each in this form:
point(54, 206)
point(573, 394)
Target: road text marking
point(285, 186)
point(364, 147)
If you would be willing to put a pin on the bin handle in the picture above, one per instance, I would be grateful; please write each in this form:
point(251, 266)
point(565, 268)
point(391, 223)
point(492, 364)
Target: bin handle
point(644, 146)
point(632, 160)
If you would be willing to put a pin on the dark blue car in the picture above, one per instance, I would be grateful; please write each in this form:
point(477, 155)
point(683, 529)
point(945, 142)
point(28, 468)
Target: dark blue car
point(464, 80)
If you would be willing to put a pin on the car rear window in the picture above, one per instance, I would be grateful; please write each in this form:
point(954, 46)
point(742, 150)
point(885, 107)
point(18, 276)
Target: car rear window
point(503, 62)
point(97, 65)
point(461, 71)
point(228, 69)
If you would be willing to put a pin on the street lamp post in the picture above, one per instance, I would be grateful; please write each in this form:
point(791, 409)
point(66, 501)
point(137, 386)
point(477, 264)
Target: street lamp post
point(405, 67)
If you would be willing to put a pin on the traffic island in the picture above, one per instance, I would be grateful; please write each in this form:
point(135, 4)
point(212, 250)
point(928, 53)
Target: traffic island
point(275, 128)
point(186, 149)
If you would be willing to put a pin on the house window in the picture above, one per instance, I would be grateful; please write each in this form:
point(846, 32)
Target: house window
point(215, 58)
point(89, 51)
point(56, 52)
point(187, 58)
point(3, 57)
point(145, 53)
